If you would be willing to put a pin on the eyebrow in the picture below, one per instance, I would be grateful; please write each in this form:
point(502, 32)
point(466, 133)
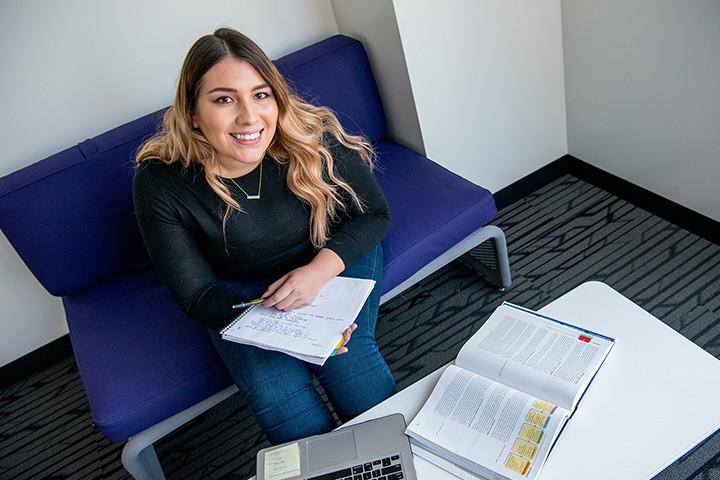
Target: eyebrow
point(232, 90)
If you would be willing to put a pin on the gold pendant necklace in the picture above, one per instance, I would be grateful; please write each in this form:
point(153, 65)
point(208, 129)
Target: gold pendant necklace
point(247, 195)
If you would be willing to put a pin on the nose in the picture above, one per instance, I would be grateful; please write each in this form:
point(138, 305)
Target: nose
point(246, 114)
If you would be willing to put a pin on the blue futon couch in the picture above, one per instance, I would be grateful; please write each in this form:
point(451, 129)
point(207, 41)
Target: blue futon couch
point(147, 368)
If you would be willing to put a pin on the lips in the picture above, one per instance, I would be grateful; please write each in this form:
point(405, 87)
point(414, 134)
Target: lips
point(247, 137)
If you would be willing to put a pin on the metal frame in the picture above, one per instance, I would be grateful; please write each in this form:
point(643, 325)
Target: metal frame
point(138, 455)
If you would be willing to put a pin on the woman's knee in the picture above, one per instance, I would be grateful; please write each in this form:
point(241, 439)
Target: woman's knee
point(357, 386)
point(278, 389)
point(262, 374)
point(286, 418)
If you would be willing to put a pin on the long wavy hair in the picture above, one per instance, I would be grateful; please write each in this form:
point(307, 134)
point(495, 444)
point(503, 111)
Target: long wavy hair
point(299, 140)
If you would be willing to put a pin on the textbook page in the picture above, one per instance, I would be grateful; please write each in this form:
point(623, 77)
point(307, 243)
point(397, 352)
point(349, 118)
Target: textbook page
point(311, 332)
point(536, 354)
point(485, 427)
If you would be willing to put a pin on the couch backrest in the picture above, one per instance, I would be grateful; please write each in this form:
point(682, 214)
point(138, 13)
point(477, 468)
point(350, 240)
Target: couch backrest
point(70, 216)
point(336, 73)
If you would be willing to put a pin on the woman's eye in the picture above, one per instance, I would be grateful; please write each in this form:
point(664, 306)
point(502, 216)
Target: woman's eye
point(262, 95)
point(223, 99)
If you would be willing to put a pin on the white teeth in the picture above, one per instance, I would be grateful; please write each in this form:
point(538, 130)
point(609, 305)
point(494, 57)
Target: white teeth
point(252, 136)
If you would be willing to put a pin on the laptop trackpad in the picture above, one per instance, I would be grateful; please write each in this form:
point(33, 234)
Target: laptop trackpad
point(331, 450)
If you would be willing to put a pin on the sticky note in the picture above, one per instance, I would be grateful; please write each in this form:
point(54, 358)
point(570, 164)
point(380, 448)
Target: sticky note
point(517, 464)
point(544, 406)
point(338, 346)
point(537, 418)
point(283, 462)
point(533, 434)
point(525, 448)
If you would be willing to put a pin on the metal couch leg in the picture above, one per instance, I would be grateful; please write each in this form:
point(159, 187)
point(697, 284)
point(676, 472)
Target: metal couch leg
point(141, 461)
point(466, 249)
point(138, 456)
point(494, 265)
point(501, 256)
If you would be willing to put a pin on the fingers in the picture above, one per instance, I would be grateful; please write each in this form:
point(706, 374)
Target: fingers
point(295, 289)
point(349, 331)
point(281, 300)
point(285, 298)
point(290, 302)
point(346, 338)
point(281, 294)
point(287, 293)
point(269, 295)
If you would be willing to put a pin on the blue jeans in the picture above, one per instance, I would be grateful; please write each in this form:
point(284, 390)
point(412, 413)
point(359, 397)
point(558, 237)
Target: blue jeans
point(279, 388)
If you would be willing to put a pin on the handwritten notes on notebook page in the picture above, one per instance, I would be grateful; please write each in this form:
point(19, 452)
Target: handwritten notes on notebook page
point(312, 333)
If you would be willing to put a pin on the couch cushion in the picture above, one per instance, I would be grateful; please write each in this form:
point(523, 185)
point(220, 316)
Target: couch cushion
point(70, 216)
point(431, 209)
point(336, 73)
point(141, 359)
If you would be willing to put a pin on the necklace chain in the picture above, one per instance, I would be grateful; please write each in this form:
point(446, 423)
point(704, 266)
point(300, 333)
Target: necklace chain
point(247, 195)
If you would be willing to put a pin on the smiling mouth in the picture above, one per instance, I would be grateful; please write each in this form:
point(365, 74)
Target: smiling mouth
point(249, 137)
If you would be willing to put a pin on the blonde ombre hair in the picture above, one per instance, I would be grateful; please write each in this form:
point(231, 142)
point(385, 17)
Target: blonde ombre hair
point(298, 141)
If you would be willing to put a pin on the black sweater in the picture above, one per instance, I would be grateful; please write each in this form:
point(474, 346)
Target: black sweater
point(180, 218)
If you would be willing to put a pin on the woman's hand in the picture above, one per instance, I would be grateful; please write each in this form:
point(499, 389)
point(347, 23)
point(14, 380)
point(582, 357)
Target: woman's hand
point(299, 287)
point(346, 338)
point(295, 289)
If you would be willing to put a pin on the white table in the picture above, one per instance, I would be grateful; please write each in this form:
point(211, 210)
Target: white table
point(654, 399)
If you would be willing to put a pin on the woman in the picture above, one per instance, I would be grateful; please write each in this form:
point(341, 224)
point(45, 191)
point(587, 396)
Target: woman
point(248, 191)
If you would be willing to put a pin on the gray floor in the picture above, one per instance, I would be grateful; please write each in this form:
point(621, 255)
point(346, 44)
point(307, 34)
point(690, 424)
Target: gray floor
point(564, 234)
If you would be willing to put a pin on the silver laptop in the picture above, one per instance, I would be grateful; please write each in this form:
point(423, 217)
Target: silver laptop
point(374, 450)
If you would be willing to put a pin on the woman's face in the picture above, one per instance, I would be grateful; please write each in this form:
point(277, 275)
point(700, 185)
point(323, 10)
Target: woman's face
point(237, 113)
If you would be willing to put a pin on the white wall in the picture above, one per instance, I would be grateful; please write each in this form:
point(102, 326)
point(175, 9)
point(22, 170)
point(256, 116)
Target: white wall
point(374, 24)
point(74, 69)
point(643, 94)
point(487, 78)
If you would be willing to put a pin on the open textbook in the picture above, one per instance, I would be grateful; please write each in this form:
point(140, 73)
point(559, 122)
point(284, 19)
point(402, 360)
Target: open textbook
point(312, 333)
point(499, 409)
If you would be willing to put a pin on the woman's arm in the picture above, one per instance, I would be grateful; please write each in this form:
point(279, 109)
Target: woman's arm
point(164, 225)
point(358, 231)
point(354, 236)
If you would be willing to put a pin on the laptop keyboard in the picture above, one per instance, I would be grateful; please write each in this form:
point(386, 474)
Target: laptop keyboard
point(387, 468)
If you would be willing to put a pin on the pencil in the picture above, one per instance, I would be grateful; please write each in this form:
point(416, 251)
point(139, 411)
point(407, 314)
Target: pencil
point(257, 301)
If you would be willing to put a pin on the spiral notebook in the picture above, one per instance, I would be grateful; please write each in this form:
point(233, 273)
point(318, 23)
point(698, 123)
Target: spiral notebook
point(312, 333)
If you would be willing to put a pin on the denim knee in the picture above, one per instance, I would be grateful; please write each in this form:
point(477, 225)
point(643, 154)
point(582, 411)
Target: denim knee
point(278, 389)
point(357, 380)
point(302, 414)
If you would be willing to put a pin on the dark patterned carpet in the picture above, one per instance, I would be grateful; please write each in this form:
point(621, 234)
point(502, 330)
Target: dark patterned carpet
point(560, 236)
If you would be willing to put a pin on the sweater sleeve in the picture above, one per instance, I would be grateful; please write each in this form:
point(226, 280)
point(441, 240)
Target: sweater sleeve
point(166, 230)
point(358, 231)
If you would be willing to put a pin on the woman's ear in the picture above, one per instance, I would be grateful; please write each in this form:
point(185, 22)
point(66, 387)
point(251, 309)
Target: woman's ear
point(194, 123)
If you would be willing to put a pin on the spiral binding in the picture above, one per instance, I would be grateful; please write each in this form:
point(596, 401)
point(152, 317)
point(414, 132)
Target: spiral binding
point(237, 319)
